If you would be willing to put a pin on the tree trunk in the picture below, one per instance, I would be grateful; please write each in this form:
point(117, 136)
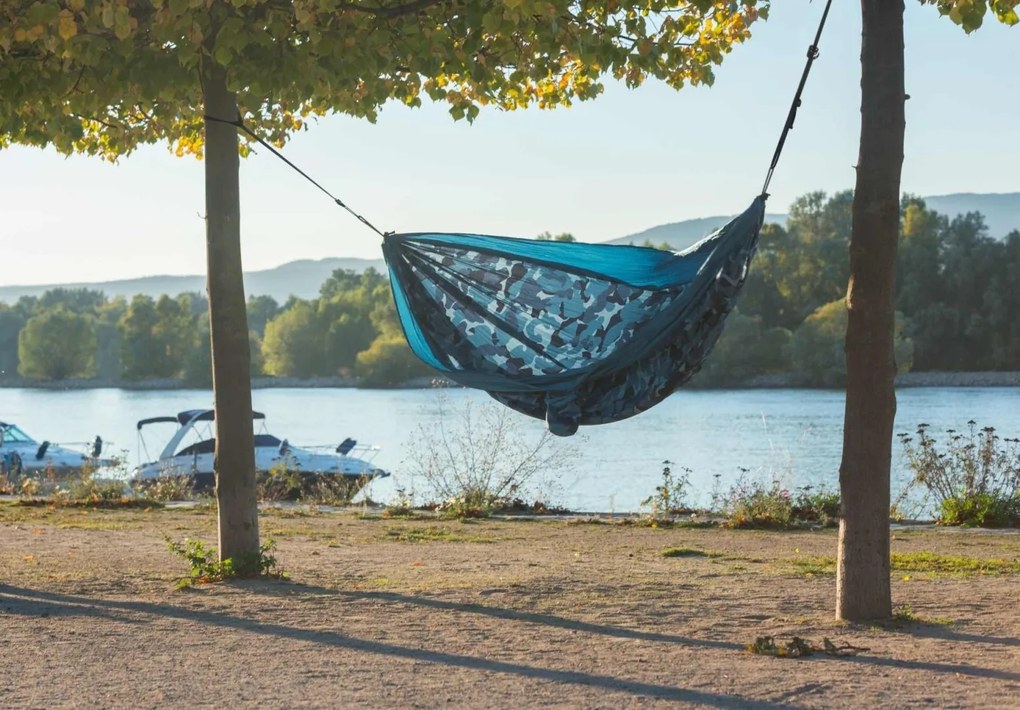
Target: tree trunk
point(228, 324)
point(862, 579)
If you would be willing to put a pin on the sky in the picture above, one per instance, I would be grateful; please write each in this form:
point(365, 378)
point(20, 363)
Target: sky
point(628, 161)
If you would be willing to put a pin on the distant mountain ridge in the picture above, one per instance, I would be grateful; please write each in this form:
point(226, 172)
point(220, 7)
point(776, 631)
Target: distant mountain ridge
point(1001, 212)
point(680, 235)
point(302, 278)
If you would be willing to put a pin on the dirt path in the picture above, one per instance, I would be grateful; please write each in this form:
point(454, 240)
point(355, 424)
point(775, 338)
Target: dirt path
point(383, 613)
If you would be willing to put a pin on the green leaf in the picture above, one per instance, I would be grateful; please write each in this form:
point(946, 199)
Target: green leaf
point(222, 55)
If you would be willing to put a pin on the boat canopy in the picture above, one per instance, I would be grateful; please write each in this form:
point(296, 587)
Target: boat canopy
point(206, 415)
point(156, 420)
point(190, 415)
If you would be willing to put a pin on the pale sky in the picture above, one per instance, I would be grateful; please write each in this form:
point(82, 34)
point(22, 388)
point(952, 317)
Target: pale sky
point(625, 162)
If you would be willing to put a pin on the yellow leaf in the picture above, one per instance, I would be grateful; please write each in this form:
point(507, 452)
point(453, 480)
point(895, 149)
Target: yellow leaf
point(68, 27)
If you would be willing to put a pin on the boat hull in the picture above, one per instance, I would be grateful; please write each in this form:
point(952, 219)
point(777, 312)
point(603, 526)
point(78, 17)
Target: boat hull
point(59, 463)
point(290, 475)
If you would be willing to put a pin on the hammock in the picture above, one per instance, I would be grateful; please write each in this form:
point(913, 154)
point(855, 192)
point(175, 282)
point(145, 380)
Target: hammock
point(570, 333)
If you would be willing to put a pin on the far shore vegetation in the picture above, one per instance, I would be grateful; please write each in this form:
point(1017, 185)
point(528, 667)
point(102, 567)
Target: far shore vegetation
point(956, 312)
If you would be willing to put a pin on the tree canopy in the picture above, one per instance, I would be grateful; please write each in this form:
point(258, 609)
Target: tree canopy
point(970, 14)
point(103, 77)
point(57, 344)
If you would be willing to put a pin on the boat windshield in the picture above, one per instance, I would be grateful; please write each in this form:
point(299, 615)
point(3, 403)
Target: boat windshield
point(10, 434)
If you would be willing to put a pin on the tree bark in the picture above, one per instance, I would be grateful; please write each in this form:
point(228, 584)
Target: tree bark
point(862, 578)
point(235, 449)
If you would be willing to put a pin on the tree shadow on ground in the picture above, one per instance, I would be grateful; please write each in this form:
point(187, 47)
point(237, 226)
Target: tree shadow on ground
point(37, 603)
point(31, 602)
point(622, 632)
point(947, 633)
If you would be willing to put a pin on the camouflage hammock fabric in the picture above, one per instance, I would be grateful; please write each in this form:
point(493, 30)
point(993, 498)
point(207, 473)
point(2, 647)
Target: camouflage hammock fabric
point(574, 334)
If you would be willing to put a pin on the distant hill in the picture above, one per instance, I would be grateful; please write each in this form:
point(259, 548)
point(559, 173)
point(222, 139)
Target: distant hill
point(303, 278)
point(680, 235)
point(299, 278)
point(1001, 211)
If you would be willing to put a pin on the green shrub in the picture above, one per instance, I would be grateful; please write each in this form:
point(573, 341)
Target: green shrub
point(972, 478)
point(819, 506)
point(670, 498)
point(758, 505)
point(980, 509)
point(205, 567)
point(769, 504)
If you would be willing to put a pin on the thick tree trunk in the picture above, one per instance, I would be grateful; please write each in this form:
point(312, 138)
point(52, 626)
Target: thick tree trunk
point(862, 579)
point(228, 324)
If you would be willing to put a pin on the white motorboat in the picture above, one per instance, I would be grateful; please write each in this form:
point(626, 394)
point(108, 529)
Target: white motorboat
point(21, 454)
point(189, 452)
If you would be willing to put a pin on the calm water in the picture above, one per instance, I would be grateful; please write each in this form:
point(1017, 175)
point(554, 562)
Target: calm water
point(795, 434)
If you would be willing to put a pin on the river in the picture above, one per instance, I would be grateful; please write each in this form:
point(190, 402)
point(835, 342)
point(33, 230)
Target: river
point(793, 434)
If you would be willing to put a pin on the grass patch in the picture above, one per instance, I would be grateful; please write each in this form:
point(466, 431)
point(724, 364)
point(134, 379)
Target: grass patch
point(811, 566)
point(930, 563)
point(955, 565)
point(688, 552)
point(82, 517)
point(92, 524)
point(401, 513)
point(432, 533)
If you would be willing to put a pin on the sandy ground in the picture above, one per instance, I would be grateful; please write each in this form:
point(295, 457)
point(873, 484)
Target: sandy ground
point(385, 613)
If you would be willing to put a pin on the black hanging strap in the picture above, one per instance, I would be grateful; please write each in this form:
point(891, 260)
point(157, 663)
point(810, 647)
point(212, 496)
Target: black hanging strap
point(240, 124)
point(812, 55)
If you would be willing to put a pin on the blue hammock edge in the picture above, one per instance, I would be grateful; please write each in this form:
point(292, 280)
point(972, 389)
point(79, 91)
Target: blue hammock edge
point(673, 341)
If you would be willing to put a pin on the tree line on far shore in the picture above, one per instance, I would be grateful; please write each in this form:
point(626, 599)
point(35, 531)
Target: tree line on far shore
point(956, 297)
point(956, 311)
point(351, 330)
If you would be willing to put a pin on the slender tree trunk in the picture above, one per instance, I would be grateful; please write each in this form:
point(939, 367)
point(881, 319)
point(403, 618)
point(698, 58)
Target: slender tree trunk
point(228, 324)
point(862, 579)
